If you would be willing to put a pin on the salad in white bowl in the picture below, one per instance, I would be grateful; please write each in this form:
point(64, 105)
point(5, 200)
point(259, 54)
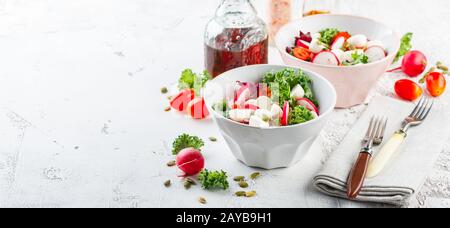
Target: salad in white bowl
point(282, 98)
point(334, 47)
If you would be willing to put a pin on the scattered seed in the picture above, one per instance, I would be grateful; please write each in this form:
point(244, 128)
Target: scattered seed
point(202, 200)
point(169, 97)
point(266, 119)
point(168, 183)
point(190, 181)
point(250, 194)
point(239, 178)
point(243, 184)
point(167, 109)
point(213, 139)
point(164, 90)
point(255, 175)
point(443, 68)
point(187, 185)
point(240, 193)
point(171, 163)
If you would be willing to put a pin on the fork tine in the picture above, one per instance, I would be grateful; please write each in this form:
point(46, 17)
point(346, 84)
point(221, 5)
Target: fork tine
point(381, 135)
point(418, 105)
point(373, 134)
point(425, 114)
point(423, 108)
point(369, 130)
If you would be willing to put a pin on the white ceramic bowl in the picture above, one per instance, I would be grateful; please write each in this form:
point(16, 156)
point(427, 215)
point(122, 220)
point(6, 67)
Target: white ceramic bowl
point(268, 148)
point(352, 83)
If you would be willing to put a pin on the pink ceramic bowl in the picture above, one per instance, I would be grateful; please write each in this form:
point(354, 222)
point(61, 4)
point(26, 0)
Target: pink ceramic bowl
point(352, 83)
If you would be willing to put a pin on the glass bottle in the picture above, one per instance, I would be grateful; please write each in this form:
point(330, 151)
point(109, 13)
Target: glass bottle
point(235, 37)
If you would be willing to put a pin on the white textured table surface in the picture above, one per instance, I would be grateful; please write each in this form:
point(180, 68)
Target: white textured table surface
point(81, 115)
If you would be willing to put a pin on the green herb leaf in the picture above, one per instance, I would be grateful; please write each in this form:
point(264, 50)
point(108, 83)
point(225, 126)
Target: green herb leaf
point(191, 80)
point(186, 141)
point(300, 114)
point(281, 83)
point(327, 35)
point(213, 179)
point(405, 46)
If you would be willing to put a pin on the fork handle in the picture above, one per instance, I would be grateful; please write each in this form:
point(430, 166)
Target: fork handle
point(384, 155)
point(357, 175)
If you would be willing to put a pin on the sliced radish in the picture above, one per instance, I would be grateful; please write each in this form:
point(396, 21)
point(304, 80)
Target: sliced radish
point(182, 99)
point(241, 115)
point(338, 44)
point(285, 116)
point(305, 37)
point(303, 44)
point(316, 36)
point(265, 115)
point(253, 102)
point(375, 43)
point(297, 92)
point(242, 95)
point(264, 102)
point(316, 46)
point(276, 111)
point(197, 108)
point(308, 104)
point(326, 58)
point(339, 54)
point(358, 41)
point(375, 53)
point(256, 121)
point(250, 106)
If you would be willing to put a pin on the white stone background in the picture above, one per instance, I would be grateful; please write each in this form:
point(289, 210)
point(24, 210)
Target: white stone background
point(81, 113)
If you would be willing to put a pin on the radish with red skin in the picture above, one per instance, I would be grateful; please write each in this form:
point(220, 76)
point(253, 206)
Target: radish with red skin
point(326, 58)
point(197, 108)
point(190, 161)
point(303, 44)
point(338, 43)
point(305, 37)
point(285, 116)
point(182, 99)
point(250, 106)
point(375, 53)
point(308, 104)
point(414, 63)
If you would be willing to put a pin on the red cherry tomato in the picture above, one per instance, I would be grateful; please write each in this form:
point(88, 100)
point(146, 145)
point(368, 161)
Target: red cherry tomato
point(182, 99)
point(436, 84)
point(408, 89)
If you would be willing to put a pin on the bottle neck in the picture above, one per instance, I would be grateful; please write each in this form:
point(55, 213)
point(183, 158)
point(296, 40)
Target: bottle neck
point(236, 12)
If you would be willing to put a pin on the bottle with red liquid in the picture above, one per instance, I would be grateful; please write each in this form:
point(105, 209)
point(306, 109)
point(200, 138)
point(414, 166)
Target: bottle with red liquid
point(235, 37)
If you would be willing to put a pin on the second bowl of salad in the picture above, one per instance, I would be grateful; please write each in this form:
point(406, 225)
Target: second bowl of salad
point(351, 52)
point(270, 115)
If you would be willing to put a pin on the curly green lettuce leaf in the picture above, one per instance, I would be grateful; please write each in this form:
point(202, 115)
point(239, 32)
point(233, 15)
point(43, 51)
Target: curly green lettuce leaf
point(299, 114)
point(282, 82)
point(191, 80)
point(405, 46)
point(186, 141)
point(327, 35)
point(213, 179)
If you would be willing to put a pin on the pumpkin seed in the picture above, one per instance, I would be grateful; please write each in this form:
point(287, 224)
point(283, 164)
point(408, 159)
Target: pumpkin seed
point(164, 90)
point(190, 181)
point(443, 68)
point(239, 178)
point(213, 139)
point(171, 163)
point(202, 200)
point(255, 175)
point(187, 185)
point(169, 97)
point(168, 183)
point(167, 109)
point(240, 193)
point(243, 184)
point(250, 194)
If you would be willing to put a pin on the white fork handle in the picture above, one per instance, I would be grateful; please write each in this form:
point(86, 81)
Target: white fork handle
point(380, 160)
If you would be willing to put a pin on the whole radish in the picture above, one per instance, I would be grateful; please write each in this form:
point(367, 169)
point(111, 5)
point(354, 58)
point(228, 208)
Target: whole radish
point(414, 63)
point(190, 161)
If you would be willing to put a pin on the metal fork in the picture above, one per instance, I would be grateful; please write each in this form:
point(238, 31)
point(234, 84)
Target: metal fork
point(374, 136)
point(417, 116)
